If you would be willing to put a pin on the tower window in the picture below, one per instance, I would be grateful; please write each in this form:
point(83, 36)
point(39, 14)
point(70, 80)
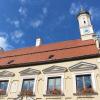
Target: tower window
point(84, 22)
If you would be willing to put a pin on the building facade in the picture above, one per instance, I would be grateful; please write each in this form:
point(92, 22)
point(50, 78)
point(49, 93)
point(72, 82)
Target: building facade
point(68, 70)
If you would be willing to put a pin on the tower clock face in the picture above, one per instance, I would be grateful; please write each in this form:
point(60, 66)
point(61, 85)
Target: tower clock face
point(86, 31)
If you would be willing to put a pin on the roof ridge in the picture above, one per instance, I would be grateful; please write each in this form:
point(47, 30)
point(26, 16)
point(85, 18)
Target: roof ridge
point(44, 45)
point(47, 50)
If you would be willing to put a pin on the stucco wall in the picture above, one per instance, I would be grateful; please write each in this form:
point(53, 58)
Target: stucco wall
point(15, 83)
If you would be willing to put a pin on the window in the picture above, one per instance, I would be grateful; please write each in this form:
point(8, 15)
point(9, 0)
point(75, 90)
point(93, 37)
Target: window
point(84, 22)
point(27, 87)
point(54, 85)
point(84, 84)
point(3, 87)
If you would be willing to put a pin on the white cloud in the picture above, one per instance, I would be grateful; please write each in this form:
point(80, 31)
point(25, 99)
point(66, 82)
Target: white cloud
point(44, 13)
point(36, 23)
point(23, 1)
point(16, 36)
point(74, 8)
point(3, 34)
point(95, 13)
point(4, 41)
point(22, 11)
point(16, 23)
point(59, 20)
point(4, 44)
point(45, 10)
point(98, 32)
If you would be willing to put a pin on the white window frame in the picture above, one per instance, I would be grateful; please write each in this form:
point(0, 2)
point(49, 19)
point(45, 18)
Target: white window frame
point(28, 77)
point(84, 73)
point(53, 75)
point(8, 87)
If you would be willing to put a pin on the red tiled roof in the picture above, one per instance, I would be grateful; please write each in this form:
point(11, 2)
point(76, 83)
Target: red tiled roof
point(50, 52)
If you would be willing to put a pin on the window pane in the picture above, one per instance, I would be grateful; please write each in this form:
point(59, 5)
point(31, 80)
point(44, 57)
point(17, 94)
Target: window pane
point(87, 80)
point(25, 85)
point(58, 83)
point(31, 84)
point(83, 84)
point(28, 84)
point(79, 83)
point(3, 85)
point(50, 83)
point(54, 83)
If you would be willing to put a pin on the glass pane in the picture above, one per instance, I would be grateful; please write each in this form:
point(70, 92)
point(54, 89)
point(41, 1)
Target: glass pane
point(3, 85)
point(31, 84)
point(50, 84)
point(58, 83)
point(28, 84)
point(79, 83)
point(25, 85)
point(87, 79)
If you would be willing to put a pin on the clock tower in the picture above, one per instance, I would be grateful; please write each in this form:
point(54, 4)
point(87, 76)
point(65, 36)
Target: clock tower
point(86, 28)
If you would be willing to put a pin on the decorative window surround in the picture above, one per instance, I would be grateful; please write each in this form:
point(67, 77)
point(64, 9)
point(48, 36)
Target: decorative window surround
point(53, 75)
point(84, 73)
point(28, 77)
point(27, 87)
point(6, 74)
point(54, 71)
point(82, 66)
point(8, 87)
point(3, 87)
point(28, 73)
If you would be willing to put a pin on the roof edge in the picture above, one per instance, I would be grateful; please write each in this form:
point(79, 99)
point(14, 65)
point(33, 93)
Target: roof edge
point(50, 61)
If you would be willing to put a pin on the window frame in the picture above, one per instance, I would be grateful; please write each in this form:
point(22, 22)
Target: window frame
point(8, 86)
point(93, 81)
point(84, 86)
point(53, 76)
point(28, 77)
point(54, 82)
point(31, 79)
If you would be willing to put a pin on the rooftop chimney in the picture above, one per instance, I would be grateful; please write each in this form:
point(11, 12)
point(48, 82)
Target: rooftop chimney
point(38, 42)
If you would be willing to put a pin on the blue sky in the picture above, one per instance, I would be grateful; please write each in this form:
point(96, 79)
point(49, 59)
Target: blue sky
point(22, 21)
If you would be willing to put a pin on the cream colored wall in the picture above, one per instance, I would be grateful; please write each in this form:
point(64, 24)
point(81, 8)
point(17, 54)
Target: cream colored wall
point(40, 82)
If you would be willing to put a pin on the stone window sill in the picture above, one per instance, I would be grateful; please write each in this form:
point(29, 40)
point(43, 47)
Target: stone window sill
point(88, 94)
point(53, 95)
point(27, 95)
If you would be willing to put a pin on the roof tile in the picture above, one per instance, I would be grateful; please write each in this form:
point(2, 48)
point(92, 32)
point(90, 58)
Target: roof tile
point(61, 50)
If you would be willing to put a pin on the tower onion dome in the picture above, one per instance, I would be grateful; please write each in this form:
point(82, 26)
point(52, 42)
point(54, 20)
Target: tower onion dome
point(82, 11)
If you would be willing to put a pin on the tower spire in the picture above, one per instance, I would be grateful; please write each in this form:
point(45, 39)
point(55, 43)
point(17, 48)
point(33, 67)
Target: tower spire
point(81, 8)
